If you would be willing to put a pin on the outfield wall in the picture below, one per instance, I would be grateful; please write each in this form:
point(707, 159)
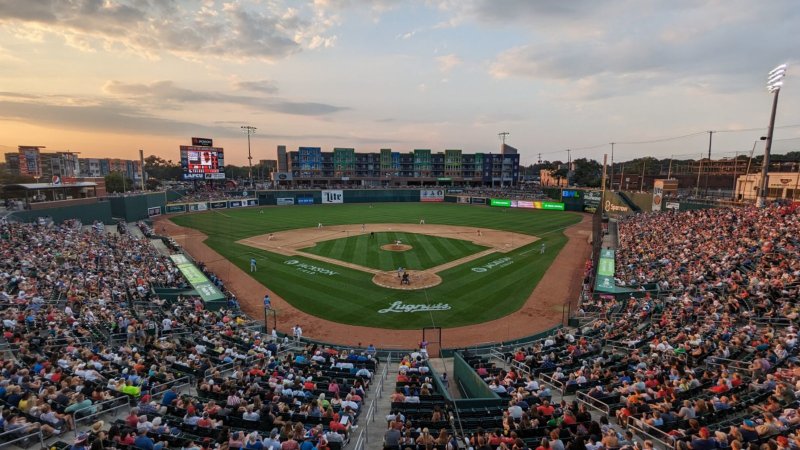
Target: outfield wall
point(87, 214)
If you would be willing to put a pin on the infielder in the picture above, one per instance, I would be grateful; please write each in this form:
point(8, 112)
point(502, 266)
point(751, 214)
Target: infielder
point(253, 267)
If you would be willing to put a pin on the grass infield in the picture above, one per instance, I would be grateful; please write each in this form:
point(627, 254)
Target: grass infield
point(364, 250)
point(348, 296)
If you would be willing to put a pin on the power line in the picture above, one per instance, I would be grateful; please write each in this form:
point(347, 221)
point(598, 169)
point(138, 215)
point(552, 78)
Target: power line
point(672, 138)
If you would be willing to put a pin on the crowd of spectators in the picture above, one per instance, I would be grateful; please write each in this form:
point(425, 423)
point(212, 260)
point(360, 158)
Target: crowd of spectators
point(700, 354)
point(209, 196)
point(84, 333)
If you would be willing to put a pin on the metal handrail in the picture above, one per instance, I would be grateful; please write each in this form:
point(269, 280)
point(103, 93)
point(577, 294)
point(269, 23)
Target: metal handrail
point(99, 410)
point(592, 402)
point(552, 382)
point(668, 444)
point(363, 435)
point(160, 389)
point(4, 443)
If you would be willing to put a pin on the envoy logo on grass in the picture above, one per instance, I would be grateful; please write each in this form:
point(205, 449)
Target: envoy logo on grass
point(400, 307)
point(309, 269)
point(502, 262)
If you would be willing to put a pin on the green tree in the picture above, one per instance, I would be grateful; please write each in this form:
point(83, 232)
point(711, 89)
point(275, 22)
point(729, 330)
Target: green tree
point(162, 169)
point(116, 182)
point(588, 172)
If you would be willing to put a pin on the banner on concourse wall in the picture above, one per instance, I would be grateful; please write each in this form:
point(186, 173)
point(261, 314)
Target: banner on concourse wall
point(332, 196)
point(431, 195)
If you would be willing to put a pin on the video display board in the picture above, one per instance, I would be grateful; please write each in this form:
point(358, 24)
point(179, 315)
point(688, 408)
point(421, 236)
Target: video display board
point(202, 163)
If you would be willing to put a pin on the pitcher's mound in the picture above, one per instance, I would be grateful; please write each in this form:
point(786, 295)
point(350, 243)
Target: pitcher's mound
point(417, 279)
point(396, 247)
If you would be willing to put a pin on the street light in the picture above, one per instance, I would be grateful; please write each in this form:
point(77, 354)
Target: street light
point(774, 84)
point(249, 130)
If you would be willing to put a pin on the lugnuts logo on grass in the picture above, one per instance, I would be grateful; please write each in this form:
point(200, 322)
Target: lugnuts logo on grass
point(400, 307)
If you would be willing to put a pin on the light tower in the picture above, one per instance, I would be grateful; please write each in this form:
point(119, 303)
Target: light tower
point(249, 130)
point(774, 84)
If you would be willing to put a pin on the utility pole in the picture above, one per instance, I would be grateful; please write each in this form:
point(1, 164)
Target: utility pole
point(710, 134)
point(669, 169)
point(569, 164)
point(249, 130)
point(699, 171)
point(611, 175)
point(641, 180)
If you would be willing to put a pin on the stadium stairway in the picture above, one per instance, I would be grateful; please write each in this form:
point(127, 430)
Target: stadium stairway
point(627, 200)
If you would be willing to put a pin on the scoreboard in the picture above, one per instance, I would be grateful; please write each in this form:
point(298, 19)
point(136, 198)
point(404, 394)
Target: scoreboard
point(202, 163)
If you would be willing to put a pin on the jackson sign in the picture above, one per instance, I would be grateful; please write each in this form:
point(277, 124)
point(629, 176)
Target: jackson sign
point(308, 268)
point(502, 262)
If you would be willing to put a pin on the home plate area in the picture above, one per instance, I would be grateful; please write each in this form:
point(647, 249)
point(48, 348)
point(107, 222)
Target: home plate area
point(407, 280)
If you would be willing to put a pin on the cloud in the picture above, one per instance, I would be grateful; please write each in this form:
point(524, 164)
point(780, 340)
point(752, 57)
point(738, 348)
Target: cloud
point(102, 116)
point(166, 93)
point(663, 45)
point(191, 29)
point(262, 86)
point(407, 35)
point(115, 117)
point(448, 62)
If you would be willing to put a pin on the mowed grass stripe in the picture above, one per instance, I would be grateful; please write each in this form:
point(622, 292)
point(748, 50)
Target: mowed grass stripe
point(350, 296)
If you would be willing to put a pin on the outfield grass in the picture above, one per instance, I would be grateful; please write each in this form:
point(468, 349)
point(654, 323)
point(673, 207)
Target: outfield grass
point(350, 297)
point(365, 250)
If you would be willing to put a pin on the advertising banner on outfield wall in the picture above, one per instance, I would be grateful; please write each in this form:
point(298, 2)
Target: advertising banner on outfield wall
point(235, 204)
point(591, 200)
point(658, 195)
point(332, 196)
point(172, 209)
point(154, 211)
point(285, 201)
point(218, 205)
point(251, 202)
point(198, 206)
point(431, 195)
point(462, 199)
point(505, 203)
point(305, 200)
point(477, 200)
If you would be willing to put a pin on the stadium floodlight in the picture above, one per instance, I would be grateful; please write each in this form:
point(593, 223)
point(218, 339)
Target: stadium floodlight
point(774, 85)
point(249, 130)
point(775, 77)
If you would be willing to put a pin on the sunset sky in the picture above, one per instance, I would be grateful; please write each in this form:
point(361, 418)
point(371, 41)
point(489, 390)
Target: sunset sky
point(108, 77)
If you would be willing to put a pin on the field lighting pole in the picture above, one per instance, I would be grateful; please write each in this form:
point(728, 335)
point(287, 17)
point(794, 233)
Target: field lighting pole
point(774, 83)
point(249, 130)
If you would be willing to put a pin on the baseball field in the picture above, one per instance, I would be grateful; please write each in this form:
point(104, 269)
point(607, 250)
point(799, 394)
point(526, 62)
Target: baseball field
point(467, 264)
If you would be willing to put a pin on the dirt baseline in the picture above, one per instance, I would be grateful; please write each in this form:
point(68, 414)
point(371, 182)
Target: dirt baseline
point(543, 309)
